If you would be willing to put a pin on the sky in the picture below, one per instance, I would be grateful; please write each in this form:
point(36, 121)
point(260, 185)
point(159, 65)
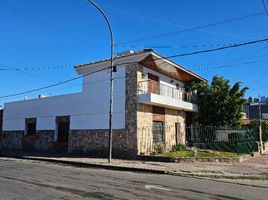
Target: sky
point(45, 39)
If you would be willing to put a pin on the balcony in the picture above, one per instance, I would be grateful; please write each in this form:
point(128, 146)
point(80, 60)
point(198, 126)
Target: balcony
point(159, 94)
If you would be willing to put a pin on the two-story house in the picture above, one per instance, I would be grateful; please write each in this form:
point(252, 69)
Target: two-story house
point(152, 105)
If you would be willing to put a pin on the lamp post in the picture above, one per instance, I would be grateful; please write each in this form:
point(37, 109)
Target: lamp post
point(113, 69)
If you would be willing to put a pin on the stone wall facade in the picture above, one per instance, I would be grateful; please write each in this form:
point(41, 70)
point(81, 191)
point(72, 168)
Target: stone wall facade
point(44, 140)
point(146, 114)
point(145, 128)
point(144, 131)
point(135, 139)
point(96, 143)
point(12, 140)
point(172, 117)
point(16, 140)
point(131, 106)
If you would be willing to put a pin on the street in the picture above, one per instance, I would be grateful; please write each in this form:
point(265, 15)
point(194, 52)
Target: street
point(24, 179)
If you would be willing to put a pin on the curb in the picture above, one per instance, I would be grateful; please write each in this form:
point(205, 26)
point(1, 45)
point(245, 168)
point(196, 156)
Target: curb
point(142, 170)
point(237, 159)
point(218, 179)
point(214, 176)
point(91, 165)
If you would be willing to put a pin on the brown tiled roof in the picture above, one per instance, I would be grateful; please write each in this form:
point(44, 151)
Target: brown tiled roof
point(121, 56)
point(141, 52)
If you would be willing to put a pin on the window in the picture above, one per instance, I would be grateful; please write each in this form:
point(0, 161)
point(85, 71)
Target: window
point(158, 131)
point(30, 126)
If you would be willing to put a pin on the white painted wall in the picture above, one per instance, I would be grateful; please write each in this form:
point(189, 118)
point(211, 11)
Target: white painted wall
point(167, 102)
point(88, 110)
point(46, 123)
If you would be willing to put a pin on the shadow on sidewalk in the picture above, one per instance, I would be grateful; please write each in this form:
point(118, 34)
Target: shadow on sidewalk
point(14, 153)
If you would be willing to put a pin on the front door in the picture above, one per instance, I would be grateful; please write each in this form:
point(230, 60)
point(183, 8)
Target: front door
point(63, 128)
point(29, 136)
point(63, 131)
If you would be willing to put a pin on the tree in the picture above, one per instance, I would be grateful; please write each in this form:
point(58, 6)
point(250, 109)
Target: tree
point(219, 103)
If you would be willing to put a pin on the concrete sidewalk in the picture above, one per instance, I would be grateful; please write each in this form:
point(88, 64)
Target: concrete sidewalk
point(256, 168)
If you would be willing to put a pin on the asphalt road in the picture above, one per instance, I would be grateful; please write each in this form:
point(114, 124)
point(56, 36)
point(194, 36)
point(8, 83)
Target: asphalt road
point(24, 179)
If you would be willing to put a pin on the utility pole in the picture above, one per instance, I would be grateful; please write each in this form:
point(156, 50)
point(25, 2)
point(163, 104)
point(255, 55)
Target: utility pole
point(112, 70)
point(260, 129)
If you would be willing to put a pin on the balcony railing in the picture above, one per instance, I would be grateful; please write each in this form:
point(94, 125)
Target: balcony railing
point(148, 86)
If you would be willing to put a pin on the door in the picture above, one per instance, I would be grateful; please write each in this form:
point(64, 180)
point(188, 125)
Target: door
point(177, 132)
point(63, 129)
point(29, 136)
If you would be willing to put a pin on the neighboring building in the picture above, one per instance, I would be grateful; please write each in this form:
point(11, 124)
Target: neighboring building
point(1, 119)
point(264, 99)
point(152, 105)
point(253, 110)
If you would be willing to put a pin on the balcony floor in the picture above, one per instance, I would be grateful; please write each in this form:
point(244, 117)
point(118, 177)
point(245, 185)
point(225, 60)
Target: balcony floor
point(167, 102)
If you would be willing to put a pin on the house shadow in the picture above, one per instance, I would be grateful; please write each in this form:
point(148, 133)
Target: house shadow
point(52, 154)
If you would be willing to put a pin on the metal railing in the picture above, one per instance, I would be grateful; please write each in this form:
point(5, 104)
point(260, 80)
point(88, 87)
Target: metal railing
point(148, 86)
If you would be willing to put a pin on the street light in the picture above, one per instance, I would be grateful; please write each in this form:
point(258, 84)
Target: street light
point(113, 69)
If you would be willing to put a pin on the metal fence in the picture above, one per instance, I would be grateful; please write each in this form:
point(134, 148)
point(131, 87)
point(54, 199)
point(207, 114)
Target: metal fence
point(239, 140)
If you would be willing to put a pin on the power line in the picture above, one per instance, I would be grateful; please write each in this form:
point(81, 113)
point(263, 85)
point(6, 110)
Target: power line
point(72, 65)
point(230, 61)
point(163, 58)
point(35, 68)
point(221, 48)
point(230, 65)
point(191, 29)
point(165, 22)
point(60, 89)
point(53, 85)
point(208, 50)
point(266, 11)
point(34, 76)
point(48, 26)
point(178, 46)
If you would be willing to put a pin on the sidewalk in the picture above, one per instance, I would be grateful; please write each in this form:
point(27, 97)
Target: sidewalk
point(256, 168)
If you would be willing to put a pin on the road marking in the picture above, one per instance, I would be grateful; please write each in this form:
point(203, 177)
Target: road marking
point(148, 187)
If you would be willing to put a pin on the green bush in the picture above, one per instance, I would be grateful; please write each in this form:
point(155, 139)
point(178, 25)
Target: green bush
point(179, 147)
point(159, 148)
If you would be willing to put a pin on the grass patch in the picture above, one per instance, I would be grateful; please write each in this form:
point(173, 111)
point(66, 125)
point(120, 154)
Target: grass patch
point(200, 154)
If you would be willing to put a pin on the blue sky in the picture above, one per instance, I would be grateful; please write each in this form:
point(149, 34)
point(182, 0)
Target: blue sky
point(61, 33)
